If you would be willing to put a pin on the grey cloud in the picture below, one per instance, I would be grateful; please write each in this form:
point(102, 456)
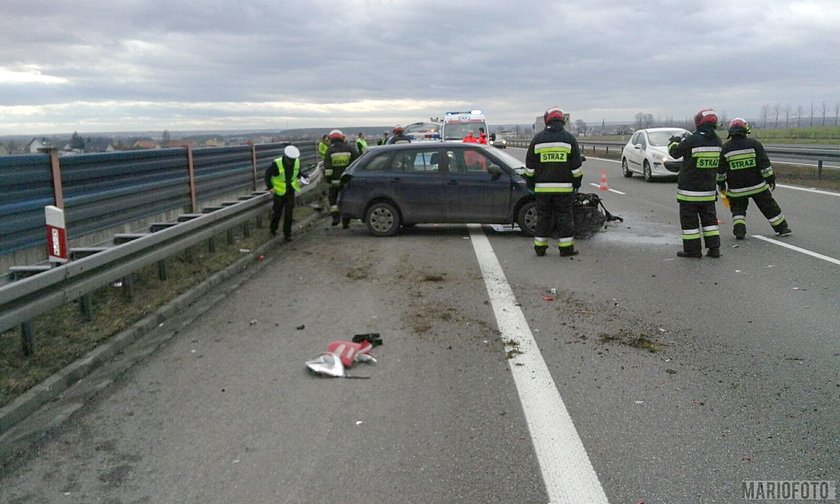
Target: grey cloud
point(594, 58)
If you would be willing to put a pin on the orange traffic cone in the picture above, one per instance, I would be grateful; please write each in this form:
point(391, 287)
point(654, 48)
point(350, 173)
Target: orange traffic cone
point(603, 184)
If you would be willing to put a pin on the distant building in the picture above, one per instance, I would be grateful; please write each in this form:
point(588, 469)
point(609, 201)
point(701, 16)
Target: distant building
point(36, 144)
point(145, 144)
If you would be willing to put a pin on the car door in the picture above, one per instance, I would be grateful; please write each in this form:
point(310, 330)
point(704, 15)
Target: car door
point(636, 155)
point(473, 192)
point(417, 181)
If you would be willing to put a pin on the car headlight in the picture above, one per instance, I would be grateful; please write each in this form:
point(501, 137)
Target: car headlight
point(659, 157)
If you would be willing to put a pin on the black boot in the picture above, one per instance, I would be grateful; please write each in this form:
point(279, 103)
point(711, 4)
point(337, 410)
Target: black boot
point(568, 252)
point(697, 255)
point(784, 231)
point(345, 222)
point(740, 231)
point(540, 250)
point(336, 219)
point(713, 252)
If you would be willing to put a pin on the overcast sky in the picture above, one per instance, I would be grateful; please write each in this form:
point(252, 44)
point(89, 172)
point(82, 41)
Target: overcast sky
point(257, 64)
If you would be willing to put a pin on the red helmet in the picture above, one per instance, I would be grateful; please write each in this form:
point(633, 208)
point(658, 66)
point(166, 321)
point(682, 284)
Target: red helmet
point(398, 130)
point(336, 134)
point(739, 126)
point(554, 114)
point(705, 116)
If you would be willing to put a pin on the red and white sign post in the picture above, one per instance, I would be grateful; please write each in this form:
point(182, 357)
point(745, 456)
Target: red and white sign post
point(56, 234)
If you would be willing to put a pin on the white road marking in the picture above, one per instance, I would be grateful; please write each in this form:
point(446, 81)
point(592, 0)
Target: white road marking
point(593, 184)
point(566, 469)
point(809, 189)
point(798, 249)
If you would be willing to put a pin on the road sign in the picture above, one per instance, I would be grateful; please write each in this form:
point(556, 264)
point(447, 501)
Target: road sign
point(56, 234)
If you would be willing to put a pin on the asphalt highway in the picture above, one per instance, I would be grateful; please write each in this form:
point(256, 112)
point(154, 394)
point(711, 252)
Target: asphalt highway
point(622, 375)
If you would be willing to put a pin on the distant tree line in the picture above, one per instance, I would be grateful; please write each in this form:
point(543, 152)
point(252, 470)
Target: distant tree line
point(784, 116)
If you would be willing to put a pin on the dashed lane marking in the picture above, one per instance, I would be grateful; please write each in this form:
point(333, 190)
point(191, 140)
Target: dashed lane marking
point(809, 189)
point(593, 184)
point(798, 249)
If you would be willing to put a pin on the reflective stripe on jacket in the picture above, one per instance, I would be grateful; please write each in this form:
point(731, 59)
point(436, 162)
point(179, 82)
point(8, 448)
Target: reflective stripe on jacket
point(552, 163)
point(744, 167)
point(697, 178)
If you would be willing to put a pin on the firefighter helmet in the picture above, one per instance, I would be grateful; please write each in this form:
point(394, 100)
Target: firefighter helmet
point(336, 134)
point(705, 116)
point(291, 152)
point(739, 126)
point(554, 114)
point(398, 130)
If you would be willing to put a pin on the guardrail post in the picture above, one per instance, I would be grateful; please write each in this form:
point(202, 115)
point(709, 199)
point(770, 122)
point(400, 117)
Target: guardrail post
point(27, 338)
point(162, 270)
point(819, 169)
point(55, 169)
point(191, 172)
point(86, 305)
point(254, 163)
point(128, 283)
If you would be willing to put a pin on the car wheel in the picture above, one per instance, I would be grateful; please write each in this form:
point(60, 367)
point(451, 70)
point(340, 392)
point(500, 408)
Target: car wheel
point(625, 169)
point(527, 218)
point(648, 175)
point(382, 219)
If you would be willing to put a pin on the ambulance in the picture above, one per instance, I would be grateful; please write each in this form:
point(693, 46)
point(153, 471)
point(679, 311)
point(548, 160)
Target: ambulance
point(456, 125)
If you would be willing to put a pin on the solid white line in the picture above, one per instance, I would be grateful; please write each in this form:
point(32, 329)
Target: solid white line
point(593, 184)
point(798, 249)
point(566, 469)
point(808, 189)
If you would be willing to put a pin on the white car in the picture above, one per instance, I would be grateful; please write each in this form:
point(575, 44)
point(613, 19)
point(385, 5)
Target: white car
point(498, 141)
point(647, 152)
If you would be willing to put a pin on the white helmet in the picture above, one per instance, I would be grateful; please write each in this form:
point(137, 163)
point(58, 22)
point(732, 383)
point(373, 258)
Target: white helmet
point(291, 152)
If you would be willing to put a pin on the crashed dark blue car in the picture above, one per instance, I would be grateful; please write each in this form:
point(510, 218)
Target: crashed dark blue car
point(400, 185)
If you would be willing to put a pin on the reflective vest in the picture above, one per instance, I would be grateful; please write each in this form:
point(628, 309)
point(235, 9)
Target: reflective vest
point(322, 149)
point(278, 182)
point(361, 145)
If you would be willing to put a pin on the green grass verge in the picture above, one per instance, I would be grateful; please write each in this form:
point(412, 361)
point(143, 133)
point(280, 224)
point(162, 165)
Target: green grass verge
point(63, 336)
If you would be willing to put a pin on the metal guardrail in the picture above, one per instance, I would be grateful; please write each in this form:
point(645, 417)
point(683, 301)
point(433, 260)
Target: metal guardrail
point(25, 299)
point(803, 153)
point(105, 190)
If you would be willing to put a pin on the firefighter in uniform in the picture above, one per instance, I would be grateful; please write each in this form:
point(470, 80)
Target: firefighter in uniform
point(745, 172)
point(696, 191)
point(552, 171)
point(338, 157)
point(398, 136)
point(282, 178)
